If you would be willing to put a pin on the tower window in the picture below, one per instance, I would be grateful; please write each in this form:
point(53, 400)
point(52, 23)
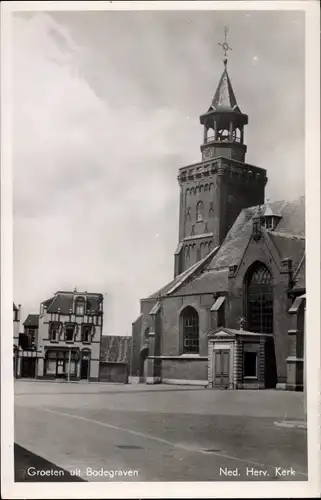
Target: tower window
point(190, 330)
point(259, 296)
point(199, 211)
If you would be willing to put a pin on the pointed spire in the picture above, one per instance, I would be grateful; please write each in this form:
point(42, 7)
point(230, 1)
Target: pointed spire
point(224, 98)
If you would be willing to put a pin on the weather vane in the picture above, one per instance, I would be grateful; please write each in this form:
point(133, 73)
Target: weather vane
point(225, 46)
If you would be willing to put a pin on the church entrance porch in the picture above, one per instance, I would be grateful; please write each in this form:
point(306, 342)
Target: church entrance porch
point(240, 360)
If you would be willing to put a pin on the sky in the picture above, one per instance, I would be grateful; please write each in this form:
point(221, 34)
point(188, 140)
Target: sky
point(105, 109)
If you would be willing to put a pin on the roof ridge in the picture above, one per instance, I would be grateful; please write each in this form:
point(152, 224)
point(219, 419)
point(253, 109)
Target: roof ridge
point(286, 235)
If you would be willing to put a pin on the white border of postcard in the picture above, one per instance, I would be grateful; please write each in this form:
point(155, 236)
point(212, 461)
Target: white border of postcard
point(275, 489)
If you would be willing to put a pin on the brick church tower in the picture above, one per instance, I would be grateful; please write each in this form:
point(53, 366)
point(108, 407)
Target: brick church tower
point(214, 191)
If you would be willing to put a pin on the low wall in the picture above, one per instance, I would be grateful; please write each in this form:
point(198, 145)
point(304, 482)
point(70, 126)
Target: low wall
point(184, 369)
point(114, 372)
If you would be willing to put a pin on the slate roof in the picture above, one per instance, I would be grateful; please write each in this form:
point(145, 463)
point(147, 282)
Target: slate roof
point(115, 349)
point(64, 302)
point(224, 98)
point(211, 274)
point(32, 320)
point(289, 246)
point(181, 278)
point(299, 275)
point(286, 236)
point(209, 281)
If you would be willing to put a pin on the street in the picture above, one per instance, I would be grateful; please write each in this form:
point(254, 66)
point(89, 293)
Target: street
point(136, 432)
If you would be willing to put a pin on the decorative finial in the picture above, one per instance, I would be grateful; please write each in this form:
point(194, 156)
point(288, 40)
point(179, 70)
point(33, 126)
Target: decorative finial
point(225, 46)
point(241, 321)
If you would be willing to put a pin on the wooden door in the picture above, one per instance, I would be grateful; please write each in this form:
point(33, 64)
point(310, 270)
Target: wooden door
point(222, 368)
point(60, 368)
point(28, 367)
point(84, 368)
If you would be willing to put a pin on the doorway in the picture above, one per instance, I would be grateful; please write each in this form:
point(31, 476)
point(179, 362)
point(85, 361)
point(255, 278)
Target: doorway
point(84, 368)
point(28, 367)
point(60, 368)
point(222, 368)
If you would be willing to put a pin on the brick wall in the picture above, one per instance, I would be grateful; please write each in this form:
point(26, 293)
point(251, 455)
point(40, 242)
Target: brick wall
point(258, 251)
point(114, 372)
point(170, 323)
point(185, 369)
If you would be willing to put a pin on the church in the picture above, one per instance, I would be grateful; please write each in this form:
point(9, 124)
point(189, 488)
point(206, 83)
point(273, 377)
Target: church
point(233, 315)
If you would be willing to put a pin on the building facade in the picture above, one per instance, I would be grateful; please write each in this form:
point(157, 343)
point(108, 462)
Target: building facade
point(224, 320)
point(115, 358)
point(69, 336)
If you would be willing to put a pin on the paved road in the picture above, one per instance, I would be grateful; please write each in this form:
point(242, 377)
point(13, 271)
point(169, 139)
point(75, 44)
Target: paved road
point(157, 433)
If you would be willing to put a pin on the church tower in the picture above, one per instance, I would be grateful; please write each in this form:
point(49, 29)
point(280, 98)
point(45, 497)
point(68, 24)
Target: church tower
point(214, 191)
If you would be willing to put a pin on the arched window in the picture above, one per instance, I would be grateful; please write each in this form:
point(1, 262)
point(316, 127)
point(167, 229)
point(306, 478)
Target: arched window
point(259, 297)
point(199, 211)
point(189, 330)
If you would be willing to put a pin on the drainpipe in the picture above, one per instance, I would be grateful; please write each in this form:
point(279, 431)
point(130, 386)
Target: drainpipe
point(69, 360)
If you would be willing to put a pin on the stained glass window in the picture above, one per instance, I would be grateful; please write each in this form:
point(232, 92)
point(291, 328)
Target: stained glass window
point(260, 300)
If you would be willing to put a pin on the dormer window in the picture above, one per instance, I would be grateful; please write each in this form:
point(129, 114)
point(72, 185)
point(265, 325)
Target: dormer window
point(80, 307)
point(269, 218)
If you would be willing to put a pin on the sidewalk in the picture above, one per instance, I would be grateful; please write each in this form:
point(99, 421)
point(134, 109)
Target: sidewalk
point(24, 460)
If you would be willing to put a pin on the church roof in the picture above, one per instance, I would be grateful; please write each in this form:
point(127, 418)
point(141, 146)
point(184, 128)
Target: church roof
point(210, 275)
point(209, 281)
point(181, 278)
point(299, 275)
point(288, 237)
point(224, 98)
point(289, 246)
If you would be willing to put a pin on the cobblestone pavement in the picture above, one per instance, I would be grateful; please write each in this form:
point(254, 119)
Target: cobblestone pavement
point(161, 433)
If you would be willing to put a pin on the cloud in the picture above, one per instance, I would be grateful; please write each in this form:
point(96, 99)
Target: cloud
point(101, 126)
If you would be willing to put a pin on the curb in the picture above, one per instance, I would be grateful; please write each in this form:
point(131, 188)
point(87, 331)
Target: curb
point(292, 424)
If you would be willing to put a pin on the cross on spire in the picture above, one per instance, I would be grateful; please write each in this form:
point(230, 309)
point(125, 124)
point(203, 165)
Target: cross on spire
point(225, 46)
